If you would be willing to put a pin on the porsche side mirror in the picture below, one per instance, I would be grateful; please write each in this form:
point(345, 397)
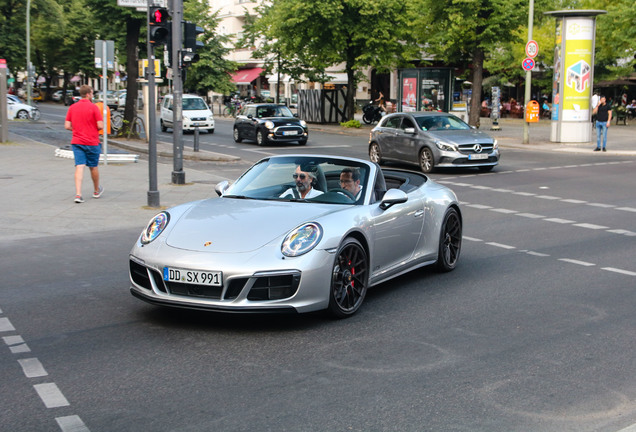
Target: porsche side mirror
point(392, 197)
point(221, 187)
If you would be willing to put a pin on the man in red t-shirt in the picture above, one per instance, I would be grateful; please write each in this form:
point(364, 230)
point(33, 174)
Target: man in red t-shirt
point(85, 121)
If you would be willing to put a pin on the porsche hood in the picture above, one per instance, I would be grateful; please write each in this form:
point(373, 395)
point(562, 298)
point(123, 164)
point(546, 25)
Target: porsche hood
point(228, 225)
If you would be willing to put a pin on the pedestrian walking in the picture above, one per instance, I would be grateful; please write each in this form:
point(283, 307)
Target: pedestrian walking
point(603, 112)
point(85, 121)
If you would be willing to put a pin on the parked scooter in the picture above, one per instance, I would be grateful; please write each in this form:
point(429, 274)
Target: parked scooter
point(372, 113)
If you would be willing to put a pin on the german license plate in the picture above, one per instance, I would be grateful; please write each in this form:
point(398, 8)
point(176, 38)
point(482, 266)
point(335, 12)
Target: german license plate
point(198, 277)
point(290, 132)
point(478, 156)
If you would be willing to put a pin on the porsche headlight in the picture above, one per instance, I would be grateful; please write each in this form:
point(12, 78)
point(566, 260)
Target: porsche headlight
point(155, 227)
point(301, 239)
point(445, 146)
point(269, 124)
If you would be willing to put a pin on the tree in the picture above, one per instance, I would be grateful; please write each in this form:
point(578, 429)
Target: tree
point(352, 33)
point(465, 31)
point(212, 71)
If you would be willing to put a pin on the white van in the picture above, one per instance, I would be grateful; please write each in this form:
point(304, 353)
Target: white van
point(196, 113)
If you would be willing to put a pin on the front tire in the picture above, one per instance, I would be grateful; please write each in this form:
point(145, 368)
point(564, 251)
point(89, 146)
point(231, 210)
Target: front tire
point(22, 115)
point(349, 279)
point(163, 126)
point(426, 160)
point(237, 135)
point(450, 242)
point(375, 153)
point(260, 138)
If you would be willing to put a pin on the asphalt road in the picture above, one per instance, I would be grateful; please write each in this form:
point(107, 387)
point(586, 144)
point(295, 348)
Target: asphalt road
point(534, 330)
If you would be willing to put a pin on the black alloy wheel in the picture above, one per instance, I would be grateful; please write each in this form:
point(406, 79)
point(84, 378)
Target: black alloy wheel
point(450, 242)
point(349, 279)
point(426, 160)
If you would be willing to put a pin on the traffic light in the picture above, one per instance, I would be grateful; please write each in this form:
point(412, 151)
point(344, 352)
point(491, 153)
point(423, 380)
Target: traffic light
point(190, 43)
point(160, 26)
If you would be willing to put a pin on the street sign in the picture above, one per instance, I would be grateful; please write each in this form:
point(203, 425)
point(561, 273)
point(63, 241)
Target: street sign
point(532, 49)
point(528, 64)
point(140, 4)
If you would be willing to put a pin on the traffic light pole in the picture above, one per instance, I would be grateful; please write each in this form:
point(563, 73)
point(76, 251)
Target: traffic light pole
point(178, 175)
point(153, 192)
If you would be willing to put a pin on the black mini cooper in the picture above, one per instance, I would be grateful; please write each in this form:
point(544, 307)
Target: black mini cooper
point(269, 123)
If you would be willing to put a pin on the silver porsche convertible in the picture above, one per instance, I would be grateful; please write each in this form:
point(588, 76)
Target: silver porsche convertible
point(297, 234)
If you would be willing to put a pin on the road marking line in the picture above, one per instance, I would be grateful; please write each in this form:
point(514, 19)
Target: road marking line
point(574, 201)
point(548, 197)
point(499, 245)
point(624, 232)
point(523, 170)
point(559, 220)
point(71, 424)
point(615, 270)
point(629, 209)
point(601, 205)
point(13, 340)
point(591, 226)
point(5, 325)
point(573, 261)
point(480, 206)
point(32, 368)
point(539, 254)
point(472, 239)
point(528, 194)
point(503, 210)
point(51, 395)
point(530, 215)
point(20, 349)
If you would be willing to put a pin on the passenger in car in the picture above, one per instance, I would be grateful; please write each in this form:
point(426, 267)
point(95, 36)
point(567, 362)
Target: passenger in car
point(350, 181)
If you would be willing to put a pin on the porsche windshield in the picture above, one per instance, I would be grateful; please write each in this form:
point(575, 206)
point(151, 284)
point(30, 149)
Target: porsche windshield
point(303, 179)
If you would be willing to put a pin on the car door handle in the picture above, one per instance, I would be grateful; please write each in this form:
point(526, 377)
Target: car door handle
point(419, 213)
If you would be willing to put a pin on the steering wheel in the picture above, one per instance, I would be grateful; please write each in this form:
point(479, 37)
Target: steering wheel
point(344, 192)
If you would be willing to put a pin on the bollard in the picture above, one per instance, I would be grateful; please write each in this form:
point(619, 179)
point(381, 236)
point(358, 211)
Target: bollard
point(196, 138)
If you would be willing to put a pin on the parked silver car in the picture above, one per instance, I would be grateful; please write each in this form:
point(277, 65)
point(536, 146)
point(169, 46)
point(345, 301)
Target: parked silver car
point(430, 140)
point(273, 243)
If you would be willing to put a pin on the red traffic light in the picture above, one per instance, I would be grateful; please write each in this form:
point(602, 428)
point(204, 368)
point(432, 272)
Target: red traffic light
point(159, 16)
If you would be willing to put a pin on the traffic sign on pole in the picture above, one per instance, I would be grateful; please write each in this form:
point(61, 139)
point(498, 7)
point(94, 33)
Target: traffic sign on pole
point(532, 49)
point(528, 64)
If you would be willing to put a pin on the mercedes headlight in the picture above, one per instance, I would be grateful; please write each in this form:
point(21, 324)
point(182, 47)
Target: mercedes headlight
point(445, 146)
point(269, 124)
point(155, 227)
point(301, 239)
point(495, 145)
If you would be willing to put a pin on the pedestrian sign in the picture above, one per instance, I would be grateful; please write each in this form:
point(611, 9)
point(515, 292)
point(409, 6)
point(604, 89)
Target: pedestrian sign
point(528, 64)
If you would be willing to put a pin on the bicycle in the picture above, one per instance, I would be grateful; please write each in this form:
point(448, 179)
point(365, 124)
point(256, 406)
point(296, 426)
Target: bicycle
point(232, 108)
point(35, 114)
point(117, 122)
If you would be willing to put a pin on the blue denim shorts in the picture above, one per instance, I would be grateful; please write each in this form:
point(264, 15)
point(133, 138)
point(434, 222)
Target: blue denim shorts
point(86, 155)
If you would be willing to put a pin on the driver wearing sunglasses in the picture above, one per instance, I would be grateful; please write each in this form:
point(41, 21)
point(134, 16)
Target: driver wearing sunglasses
point(305, 181)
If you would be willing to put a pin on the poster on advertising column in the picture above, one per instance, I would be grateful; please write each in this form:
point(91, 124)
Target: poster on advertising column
point(578, 61)
point(409, 94)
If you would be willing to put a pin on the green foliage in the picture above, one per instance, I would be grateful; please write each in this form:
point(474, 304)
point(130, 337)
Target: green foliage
point(351, 124)
point(323, 33)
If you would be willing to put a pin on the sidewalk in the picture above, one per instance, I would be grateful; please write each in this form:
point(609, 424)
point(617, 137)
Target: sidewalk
point(37, 191)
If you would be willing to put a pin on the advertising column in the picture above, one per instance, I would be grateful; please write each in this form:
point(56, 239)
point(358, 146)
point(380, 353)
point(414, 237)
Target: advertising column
point(573, 75)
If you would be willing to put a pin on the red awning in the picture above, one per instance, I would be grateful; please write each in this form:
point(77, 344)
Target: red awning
point(246, 76)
